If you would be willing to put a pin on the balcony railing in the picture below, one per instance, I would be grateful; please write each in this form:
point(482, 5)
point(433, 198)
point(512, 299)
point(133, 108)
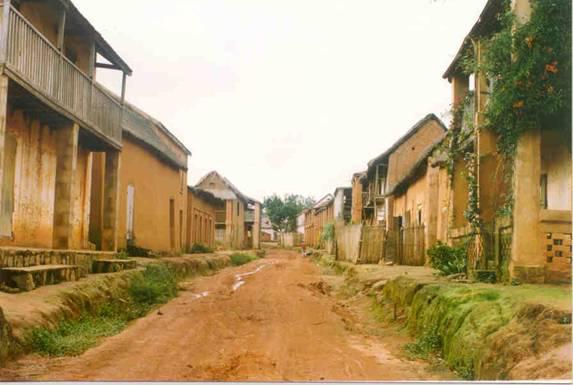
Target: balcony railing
point(220, 216)
point(42, 67)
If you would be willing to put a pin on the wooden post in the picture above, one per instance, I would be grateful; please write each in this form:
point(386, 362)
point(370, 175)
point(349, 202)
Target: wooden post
point(4, 31)
point(92, 63)
point(3, 117)
point(61, 29)
point(123, 86)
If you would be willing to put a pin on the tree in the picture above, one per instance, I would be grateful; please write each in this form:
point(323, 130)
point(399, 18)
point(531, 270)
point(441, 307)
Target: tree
point(283, 211)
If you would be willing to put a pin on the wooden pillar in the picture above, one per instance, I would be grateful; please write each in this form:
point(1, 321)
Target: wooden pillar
point(4, 30)
point(110, 201)
point(257, 227)
point(5, 230)
point(67, 154)
point(61, 29)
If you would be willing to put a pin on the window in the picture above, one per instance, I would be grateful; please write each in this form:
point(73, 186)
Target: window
point(543, 192)
point(130, 206)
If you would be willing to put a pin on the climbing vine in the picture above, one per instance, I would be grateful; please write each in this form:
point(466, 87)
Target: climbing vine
point(528, 67)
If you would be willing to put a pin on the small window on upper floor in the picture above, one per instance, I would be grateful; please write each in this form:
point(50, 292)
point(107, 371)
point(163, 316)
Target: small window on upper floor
point(472, 82)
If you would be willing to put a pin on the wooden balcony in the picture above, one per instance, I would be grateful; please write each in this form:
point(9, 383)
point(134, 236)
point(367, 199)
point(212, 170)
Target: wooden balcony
point(32, 61)
point(249, 215)
point(220, 216)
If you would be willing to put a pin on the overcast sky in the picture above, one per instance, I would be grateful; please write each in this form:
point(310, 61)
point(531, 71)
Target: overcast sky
point(285, 96)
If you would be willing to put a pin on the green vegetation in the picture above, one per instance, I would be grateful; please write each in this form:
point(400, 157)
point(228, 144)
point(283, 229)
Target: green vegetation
point(448, 260)
point(200, 249)
point(327, 232)
point(238, 259)
point(481, 331)
point(424, 347)
point(283, 211)
point(329, 264)
point(156, 285)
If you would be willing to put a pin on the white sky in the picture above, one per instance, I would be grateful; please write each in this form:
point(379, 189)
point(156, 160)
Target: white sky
point(285, 96)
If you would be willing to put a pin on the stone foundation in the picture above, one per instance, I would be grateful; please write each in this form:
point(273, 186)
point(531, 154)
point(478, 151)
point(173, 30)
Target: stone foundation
point(17, 257)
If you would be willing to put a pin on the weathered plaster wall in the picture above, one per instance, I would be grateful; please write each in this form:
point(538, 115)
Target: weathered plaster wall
point(155, 183)
point(34, 183)
point(81, 200)
point(44, 16)
point(556, 163)
point(411, 200)
point(34, 186)
point(409, 152)
point(443, 205)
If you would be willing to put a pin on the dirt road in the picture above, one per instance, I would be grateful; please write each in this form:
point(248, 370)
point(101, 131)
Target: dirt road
point(268, 320)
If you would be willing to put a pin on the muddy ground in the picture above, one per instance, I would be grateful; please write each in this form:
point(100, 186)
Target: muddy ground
point(273, 320)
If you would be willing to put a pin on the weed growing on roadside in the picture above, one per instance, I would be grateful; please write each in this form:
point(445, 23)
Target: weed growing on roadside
point(156, 285)
point(238, 259)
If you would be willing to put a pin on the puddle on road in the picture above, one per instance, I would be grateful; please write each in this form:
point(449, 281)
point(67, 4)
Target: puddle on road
point(239, 277)
point(200, 295)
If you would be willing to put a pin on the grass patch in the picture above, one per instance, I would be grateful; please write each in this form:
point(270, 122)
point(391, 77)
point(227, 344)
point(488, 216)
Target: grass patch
point(157, 284)
point(200, 249)
point(425, 347)
point(238, 259)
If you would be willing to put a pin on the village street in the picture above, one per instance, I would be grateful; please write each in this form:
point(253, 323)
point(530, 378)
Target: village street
point(280, 324)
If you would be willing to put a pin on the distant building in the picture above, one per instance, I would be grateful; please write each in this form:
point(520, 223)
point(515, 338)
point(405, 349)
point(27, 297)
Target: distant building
point(202, 207)
point(239, 224)
point(268, 233)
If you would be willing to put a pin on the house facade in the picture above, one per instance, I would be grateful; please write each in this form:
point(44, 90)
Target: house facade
point(533, 243)
point(315, 218)
point(54, 119)
point(201, 210)
point(238, 226)
point(152, 188)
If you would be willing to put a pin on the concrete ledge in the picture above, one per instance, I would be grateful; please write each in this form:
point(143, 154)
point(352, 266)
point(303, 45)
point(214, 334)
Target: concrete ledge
point(563, 216)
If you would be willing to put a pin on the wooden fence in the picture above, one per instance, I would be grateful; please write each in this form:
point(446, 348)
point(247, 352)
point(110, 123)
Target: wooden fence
point(372, 244)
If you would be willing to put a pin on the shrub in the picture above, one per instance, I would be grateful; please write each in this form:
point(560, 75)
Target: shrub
point(327, 232)
point(449, 260)
point(157, 284)
point(239, 259)
point(198, 248)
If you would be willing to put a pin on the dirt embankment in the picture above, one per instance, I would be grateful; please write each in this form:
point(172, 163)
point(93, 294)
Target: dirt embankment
point(48, 305)
point(268, 320)
point(485, 332)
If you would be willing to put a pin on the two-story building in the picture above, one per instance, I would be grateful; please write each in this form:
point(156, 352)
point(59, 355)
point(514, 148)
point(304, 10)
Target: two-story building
point(238, 226)
point(389, 168)
point(54, 118)
point(533, 243)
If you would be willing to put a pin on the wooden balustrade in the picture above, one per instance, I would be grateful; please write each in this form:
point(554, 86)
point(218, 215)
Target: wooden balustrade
point(42, 67)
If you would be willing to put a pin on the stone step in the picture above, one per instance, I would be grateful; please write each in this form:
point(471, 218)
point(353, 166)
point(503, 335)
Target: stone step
point(31, 277)
point(112, 265)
